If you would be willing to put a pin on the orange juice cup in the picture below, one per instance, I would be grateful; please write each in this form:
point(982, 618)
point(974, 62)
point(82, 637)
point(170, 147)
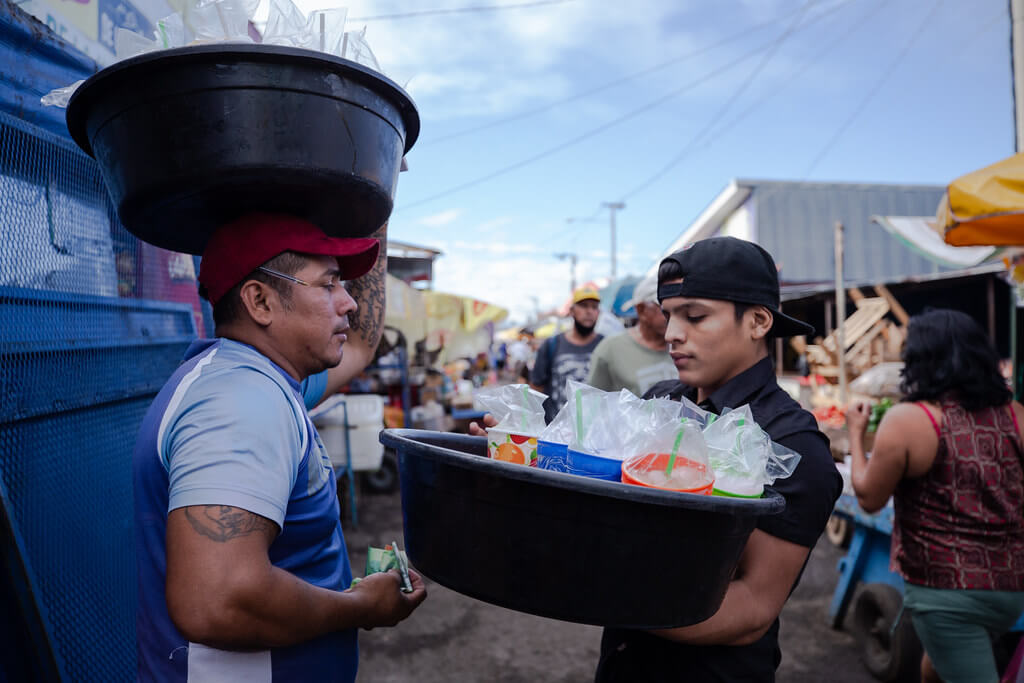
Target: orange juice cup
point(649, 470)
point(511, 447)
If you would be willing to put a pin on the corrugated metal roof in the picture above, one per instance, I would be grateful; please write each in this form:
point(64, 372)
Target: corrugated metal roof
point(795, 221)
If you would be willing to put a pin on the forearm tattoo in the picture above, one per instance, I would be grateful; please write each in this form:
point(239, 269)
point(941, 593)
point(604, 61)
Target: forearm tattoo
point(222, 523)
point(369, 291)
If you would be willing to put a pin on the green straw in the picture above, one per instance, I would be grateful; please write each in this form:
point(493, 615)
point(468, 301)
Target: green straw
point(579, 416)
point(526, 397)
point(739, 433)
point(675, 448)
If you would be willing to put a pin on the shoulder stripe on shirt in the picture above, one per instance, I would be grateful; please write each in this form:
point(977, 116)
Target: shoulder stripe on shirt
point(176, 399)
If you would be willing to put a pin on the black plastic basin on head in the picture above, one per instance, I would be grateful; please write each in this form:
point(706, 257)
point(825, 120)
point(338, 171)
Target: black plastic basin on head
point(562, 546)
point(189, 138)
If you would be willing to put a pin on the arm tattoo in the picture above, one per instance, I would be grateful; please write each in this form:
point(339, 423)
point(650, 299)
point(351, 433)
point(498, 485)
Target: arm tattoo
point(369, 291)
point(222, 523)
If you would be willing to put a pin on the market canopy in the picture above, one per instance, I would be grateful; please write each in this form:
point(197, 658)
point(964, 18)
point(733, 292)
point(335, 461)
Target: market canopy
point(918, 233)
point(985, 207)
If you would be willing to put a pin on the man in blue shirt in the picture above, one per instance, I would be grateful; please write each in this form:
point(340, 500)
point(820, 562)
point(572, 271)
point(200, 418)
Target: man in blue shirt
point(243, 569)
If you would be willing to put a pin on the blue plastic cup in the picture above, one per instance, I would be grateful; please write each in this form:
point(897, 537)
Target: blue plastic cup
point(551, 456)
point(594, 466)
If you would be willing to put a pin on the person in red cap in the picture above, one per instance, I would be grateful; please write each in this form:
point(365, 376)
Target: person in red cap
point(243, 569)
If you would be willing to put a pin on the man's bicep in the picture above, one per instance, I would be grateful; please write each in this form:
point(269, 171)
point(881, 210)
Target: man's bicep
point(223, 523)
point(210, 548)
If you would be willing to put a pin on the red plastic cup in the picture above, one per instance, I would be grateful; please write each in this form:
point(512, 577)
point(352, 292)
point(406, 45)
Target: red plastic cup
point(638, 471)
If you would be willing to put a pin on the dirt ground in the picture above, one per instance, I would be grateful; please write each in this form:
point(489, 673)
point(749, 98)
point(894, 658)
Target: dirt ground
point(453, 638)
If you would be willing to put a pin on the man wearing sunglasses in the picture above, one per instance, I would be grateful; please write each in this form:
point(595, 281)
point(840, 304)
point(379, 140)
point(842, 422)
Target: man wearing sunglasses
point(243, 569)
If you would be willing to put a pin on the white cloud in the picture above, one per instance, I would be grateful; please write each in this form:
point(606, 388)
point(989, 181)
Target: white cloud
point(443, 218)
point(508, 280)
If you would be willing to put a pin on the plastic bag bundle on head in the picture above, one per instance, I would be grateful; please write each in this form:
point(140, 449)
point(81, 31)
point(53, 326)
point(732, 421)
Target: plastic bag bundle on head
point(739, 451)
point(517, 408)
point(196, 22)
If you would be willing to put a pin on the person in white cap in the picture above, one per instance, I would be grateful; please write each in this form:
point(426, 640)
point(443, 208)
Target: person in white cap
point(636, 359)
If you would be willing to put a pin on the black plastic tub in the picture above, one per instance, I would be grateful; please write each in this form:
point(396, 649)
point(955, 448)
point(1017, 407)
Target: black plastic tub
point(189, 138)
point(562, 546)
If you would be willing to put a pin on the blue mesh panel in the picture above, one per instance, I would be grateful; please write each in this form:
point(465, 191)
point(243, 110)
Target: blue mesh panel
point(92, 322)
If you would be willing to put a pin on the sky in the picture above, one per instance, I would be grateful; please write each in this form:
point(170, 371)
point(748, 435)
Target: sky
point(534, 117)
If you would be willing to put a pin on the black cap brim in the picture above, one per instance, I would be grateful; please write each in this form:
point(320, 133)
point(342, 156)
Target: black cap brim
point(785, 326)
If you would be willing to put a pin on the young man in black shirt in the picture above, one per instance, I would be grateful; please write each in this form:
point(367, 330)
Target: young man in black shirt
point(721, 299)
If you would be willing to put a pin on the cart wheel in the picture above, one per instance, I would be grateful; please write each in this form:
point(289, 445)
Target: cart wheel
point(839, 531)
point(385, 478)
point(890, 654)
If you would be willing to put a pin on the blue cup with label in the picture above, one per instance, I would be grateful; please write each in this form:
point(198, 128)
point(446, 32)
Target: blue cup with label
point(551, 456)
point(593, 465)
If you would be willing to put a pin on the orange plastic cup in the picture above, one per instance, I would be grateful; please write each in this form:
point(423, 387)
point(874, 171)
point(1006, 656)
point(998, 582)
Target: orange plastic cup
point(635, 471)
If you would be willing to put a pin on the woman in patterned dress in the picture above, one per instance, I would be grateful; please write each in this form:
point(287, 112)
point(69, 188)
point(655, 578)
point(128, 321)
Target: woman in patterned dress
point(951, 457)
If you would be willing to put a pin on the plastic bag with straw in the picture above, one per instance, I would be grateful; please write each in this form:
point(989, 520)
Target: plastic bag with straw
point(743, 456)
point(673, 456)
point(322, 30)
point(516, 407)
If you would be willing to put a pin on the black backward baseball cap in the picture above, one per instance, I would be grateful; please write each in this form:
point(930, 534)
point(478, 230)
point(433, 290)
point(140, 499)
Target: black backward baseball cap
point(734, 270)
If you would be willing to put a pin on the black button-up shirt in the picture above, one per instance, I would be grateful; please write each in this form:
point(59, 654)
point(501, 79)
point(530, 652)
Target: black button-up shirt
point(810, 494)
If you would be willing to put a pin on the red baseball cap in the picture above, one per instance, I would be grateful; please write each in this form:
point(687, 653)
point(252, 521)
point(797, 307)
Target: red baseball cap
point(239, 247)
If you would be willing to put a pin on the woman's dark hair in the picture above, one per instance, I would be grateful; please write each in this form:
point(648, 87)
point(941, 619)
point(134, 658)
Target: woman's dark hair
point(947, 355)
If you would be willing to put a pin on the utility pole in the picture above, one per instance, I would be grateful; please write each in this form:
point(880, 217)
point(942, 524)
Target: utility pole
point(1017, 69)
point(840, 313)
point(561, 256)
point(612, 208)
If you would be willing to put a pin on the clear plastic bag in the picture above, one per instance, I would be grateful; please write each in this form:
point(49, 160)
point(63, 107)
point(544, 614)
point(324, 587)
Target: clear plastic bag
point(355, 47)
point(322, 30)
point(743, 457)
point(516, 407)
point(207, 21)
point(60, 96)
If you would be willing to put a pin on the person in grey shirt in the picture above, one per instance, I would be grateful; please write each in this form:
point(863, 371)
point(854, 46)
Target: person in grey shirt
point(638, 358)
point(567, 356)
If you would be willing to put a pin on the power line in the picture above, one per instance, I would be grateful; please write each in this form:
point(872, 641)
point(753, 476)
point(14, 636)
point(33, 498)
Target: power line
point(767, 57)
point(610, 124)
point(874, 90)
point(611, 84)
point(795, 75)
point(459, 10)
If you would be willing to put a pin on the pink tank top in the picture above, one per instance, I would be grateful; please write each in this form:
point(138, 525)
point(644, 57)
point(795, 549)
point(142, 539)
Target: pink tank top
point(961, 525)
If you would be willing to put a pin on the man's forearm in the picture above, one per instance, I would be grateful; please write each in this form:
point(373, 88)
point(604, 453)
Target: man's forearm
point(285, 610)
point(739, 621)
point(370, 294)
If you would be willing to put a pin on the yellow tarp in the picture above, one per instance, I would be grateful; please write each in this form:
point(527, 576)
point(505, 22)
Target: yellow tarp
point(405, 311)
point(985, 207)
point(476, 313)
point(552, 328)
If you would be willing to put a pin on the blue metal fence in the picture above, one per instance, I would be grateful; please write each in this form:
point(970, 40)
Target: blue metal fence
point(92, 322)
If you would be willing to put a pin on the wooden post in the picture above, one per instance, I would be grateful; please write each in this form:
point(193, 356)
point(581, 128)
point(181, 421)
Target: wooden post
point(840, 312)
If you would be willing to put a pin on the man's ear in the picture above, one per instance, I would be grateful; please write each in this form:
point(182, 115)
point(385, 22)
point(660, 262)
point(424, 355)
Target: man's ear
point(761, 320)
point(260, 301)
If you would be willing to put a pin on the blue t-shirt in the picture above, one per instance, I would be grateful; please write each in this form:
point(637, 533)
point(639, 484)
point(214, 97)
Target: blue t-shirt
point(230, 428)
